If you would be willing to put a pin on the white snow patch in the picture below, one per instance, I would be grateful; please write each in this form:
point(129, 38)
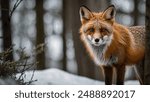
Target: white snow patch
point(54, 76)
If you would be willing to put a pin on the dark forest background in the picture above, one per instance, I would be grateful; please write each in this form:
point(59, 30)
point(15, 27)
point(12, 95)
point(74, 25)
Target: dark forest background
point(48, 30)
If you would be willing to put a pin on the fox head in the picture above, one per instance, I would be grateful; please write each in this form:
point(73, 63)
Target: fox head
point(97, 28)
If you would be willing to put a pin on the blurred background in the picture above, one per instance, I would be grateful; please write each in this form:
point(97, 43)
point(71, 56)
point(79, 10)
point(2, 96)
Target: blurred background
point(54, 26)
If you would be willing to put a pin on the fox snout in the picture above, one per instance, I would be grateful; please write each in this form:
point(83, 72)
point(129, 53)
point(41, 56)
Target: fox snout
point(97, 41)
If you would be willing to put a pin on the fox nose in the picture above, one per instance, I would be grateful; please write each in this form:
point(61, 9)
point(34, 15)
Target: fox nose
point(96, 40)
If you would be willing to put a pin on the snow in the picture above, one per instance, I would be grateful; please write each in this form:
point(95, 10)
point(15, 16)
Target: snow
point(54, 76)
point(7, 81)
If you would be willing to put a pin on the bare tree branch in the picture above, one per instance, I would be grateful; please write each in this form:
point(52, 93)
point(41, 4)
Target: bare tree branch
point(14, 8)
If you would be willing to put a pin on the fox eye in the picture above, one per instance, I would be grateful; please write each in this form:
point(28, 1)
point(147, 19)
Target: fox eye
point(91, 30)
point(104, 30)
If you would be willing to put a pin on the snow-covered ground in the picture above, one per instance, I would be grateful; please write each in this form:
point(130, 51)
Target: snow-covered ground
point(7, 81)
point(54, 76)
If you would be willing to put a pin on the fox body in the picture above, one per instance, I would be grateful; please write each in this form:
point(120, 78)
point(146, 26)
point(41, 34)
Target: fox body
point(111, 45)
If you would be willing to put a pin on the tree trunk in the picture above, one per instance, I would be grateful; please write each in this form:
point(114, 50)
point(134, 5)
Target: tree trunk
point(6, 28)
point(85, 65)
point(136, 12)
point(64, 34)
point(40, 37)
point(147, 53)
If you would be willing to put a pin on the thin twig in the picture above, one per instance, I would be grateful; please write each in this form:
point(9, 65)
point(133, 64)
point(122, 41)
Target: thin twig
point(31, 80)
point(14, 8)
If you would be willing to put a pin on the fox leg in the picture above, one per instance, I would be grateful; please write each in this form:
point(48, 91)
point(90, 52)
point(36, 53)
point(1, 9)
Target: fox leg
point(138, 76)
point(108, 72)
point(120, 70)
point(139, 69)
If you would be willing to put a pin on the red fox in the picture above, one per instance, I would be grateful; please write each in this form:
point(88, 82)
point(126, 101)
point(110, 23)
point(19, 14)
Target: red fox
point(110, 44)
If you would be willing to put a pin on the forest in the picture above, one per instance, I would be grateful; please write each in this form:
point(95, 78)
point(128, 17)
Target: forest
point(37, 35)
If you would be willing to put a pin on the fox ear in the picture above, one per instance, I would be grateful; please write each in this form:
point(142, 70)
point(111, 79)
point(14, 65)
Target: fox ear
point(109, 13)
point(85, 14)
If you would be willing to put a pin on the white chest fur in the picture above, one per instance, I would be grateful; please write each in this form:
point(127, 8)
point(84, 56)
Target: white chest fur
point(99, 58)
point(99, 55)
